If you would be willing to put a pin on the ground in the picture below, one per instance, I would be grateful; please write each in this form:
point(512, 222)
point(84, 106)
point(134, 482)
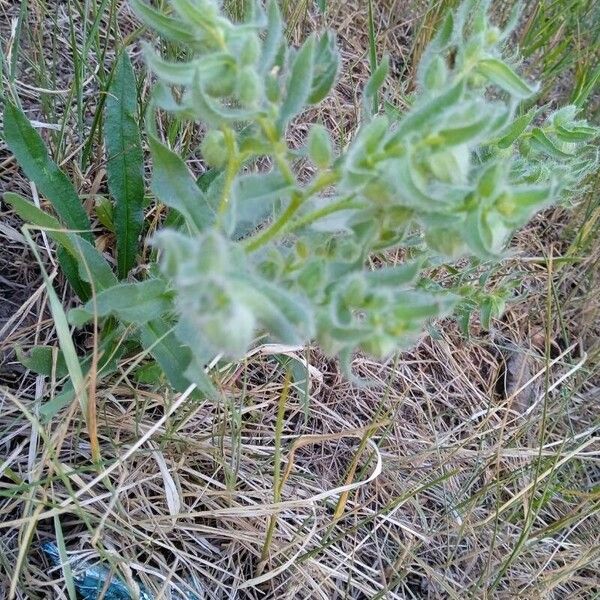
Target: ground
point(472, 460)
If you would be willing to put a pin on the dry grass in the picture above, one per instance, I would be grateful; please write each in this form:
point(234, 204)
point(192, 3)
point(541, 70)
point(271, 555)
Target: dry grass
point(432, 481)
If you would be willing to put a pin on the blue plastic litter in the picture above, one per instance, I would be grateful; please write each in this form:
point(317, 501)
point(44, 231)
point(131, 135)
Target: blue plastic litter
point(90, 580)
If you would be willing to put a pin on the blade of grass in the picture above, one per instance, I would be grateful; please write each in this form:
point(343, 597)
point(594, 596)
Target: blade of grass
point(64, 559)
point(67, 347)
point(277, 480)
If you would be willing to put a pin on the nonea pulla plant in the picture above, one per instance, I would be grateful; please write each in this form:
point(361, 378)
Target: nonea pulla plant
point(258, 252)
point(263, 252)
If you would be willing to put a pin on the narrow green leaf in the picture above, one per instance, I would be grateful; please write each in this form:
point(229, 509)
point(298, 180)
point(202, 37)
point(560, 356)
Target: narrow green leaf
point(159, 340)
point(63, 332)
point(504, 77)
point(70, 268)
point(469, 132)
point(31, 153)
point(576, 133)
point(298, 85)
point(78, 257)
point(514, 130)
point(326, 62)
point(169, 28)
point(125, 162)
point(274, 37)
point(373, 85)
point(542, 142)
point(174, 186)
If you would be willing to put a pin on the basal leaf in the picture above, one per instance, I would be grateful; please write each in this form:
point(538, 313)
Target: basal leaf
point(79, 259)
point(125, 162)
point(31, 153)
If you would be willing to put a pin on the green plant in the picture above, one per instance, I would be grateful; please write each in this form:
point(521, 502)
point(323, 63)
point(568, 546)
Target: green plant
point(263, 251)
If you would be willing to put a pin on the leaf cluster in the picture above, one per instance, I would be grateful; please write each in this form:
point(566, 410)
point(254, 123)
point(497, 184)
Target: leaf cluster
point(263, 252)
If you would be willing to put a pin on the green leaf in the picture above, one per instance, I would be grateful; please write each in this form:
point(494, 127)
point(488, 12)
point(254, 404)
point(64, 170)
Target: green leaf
point(70, 268)
point(444, 34)
point(319, 146)
point(396, 277)
point(125, 162)
point(105, 214)
point(281, 313)
point(513, 131)
point(256, 197)
point(576, 133)
point(169, 28)
point(159, 341)
point(29, 149)
point(174, 186)
point(374, 85)
point(541, 141)
point(84, 259)
point(475, 130)
point(504, 77)
point(44, 360)
point(206, 109)
point(326, 63)
point(298, 85)
point(430, 112)
point(136, 303)
point(273, 39)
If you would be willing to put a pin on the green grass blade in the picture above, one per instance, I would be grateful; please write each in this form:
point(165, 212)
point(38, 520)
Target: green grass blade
point(373, 53)
point(64, 559)
point(62, 331)
point(125, 162)
point(31, 153)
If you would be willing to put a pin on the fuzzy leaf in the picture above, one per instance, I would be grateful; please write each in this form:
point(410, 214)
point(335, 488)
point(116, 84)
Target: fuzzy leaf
point(298, 85)
point(136, 303)
point(174, 186)
point(504, 77)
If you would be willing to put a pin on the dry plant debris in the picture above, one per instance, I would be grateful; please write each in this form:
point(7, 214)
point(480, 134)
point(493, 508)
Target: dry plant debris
point(463, 489)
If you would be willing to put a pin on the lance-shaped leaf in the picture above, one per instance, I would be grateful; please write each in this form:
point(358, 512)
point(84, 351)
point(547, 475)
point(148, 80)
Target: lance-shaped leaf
point(174, 186)
point(504, 77)
point(125, 162)
point(169, 28)
point(299, 82)
point(89, 265)
point(137, 303)
point(31, 153)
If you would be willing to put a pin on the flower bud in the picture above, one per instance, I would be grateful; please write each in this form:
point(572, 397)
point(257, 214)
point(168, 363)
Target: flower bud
point(214, 149)
point(248, 87)
point(319, 146)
